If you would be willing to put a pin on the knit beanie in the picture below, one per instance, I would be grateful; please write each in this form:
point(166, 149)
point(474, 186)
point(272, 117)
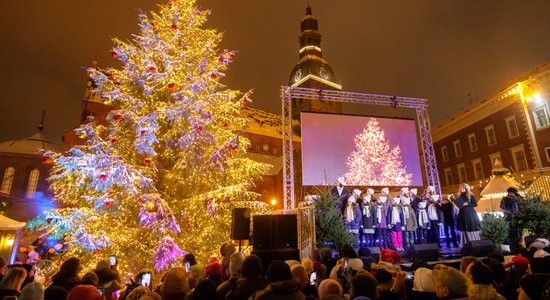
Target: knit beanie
point(423, 280)
point(278, 271)
point(214, 269)
point(452, 278)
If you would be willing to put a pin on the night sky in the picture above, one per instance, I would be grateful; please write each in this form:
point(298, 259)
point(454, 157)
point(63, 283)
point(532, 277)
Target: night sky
point(438, 49)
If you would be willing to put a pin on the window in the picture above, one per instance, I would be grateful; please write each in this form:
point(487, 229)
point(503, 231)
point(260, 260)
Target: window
point(7, 180)
point(33, 183)
point(458, 150)
point(495, 159)
point(445, 153)
point(547, 150)
point(478, 169)
point(449, 176)
point(462, 173)
point(473, 142)
point(518, 154)
point(541, 117)
point(490, 133)
point(512, 126)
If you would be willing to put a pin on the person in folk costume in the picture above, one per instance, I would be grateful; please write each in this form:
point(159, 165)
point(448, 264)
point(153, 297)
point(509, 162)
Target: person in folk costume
point(395, 221)
point(368, 222)
point(381, 216)
point(353, 216)
point(435, 220)
point(447, 207)
point(423, 222)
point(467, 220)
point(409, 218)
point(413, 194)
point(341, 193)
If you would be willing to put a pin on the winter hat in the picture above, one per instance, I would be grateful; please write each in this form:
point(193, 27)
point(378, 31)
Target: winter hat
point(370, 191)
point(422, 204)
point(540, 265)
point(278, 271)
point(452, 278)
point(431, 188)
point(540, 254)
point(405, 190)
point(341, 180)
point(214, 269)
point(544, 241)
point(414, 191)
point(175, 282)
point(355, 264)
point(357, 192)
point(32, 291)
point(55, 292)
point(84, 292)
point(435, 198)
point(532, 285)
point(520, 263)
point(407, 200)
point(385, 190)
point(252, 267)
point(390, 256)
point(423, 280)
point(537, 244)
point(137, 293)
point(236, 263)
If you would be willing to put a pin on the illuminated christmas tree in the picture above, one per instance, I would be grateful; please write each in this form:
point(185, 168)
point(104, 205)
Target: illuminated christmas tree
point(374, 162)
point(162, 176)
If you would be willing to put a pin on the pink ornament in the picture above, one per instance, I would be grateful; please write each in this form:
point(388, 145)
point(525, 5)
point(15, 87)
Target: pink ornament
point(103, 177)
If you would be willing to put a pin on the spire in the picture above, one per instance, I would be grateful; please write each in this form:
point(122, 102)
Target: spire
point(41, 126)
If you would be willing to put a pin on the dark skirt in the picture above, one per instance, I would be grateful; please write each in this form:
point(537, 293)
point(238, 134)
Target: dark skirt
point(467, 219)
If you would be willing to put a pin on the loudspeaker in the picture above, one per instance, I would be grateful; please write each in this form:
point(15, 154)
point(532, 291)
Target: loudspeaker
point(374, 252)
point(426, 252)
point(274, 232)
point(240, 224)
point(478, 248)
point(267, 256)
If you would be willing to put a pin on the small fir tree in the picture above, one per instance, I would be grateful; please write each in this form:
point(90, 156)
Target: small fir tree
point(329, 226)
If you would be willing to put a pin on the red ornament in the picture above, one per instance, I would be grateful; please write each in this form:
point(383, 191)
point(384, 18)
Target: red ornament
point(46, 160)
point(213, 76)
point(231, 55)
point(171, 86)
point(143, 133)
point(221, 60)
point(152, 25)
point(199, 128)
point(114, 141)
point(152, 69)
point(225, 125)
point(108, 204)
point(174, 27)
point(114, 54)
point(231, 147)
point(147, 161)
point(118, 118)
point(103, 177)
point(246, 100)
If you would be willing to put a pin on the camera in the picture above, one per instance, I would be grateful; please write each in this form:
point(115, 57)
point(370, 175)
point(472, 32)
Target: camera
point(100, 291)
point(312, 278)
point(146, 279)
point(112, 260)
point(409, 276)
point(187, 267)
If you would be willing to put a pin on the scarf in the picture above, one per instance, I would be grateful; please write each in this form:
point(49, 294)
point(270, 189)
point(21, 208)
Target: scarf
point(340, 189)
point(422, 217)
point(379, 213)
point(432, 212)
point(395, 215)
point(350, 212)
point(406, 214)
point(366, 210)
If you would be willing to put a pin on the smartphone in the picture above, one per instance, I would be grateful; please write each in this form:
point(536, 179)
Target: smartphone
point(409, 276)
point(525, 230)
point(312, 278)
point(112, 259)
point(187, 267)
point(146, 279)
point(100, 291)
point(346, 265)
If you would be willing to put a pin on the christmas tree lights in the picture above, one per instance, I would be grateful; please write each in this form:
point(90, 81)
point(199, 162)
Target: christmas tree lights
point(161, 177)
point(374, 162)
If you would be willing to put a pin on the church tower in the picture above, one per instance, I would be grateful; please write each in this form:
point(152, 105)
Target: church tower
point(312, 71)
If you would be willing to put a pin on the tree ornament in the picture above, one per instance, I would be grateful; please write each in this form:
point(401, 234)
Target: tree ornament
point(114, 141)
point(102, 176)
point(225, 125)
point(246, 100)
point(152, 69)
point(174, 26)
point(108, 203)
point(152, 24)
point(171, 86)
point(232, 146)
point(211, 206)
point(114, 54)
point(147, 161)
point(221, 60)
point(232, 55)
point(46, 160)
point(82, 134)
point(213, 76)
point(118, 118)
point(143, 133)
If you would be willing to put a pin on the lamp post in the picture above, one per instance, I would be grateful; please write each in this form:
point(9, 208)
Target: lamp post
point(532, 136)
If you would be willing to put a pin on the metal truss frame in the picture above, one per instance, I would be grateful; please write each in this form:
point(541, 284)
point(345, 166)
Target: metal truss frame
point(288, 94)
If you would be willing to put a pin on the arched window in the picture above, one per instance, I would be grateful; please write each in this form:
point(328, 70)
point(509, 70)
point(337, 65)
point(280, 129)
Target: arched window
point(8, 180)
point(33, 183)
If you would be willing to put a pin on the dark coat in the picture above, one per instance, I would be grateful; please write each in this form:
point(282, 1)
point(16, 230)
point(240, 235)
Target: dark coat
point(246, 287)
point(447, 210)
point(467, 219)
point(281, 290)
point(225, 287)
point(342, 199)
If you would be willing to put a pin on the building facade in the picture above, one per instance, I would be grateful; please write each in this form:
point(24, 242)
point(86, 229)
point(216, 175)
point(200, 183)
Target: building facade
point(512, 125)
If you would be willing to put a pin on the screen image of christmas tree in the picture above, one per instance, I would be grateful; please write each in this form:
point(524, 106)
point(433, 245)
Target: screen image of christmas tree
point(374, 162)
point(161, 177)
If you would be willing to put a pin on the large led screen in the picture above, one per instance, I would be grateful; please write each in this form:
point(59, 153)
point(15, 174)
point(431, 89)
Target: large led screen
point(366, 151)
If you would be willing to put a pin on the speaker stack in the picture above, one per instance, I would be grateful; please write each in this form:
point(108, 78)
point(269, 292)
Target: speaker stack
point(240, 224)
point(478, 248)
point(425, 252)
point(275, 237)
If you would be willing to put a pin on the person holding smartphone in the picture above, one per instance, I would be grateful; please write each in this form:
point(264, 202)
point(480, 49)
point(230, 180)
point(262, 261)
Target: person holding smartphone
point(109, 279)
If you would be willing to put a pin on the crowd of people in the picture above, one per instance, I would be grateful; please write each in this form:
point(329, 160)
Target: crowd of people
point(350, 276)
point(406, 218)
